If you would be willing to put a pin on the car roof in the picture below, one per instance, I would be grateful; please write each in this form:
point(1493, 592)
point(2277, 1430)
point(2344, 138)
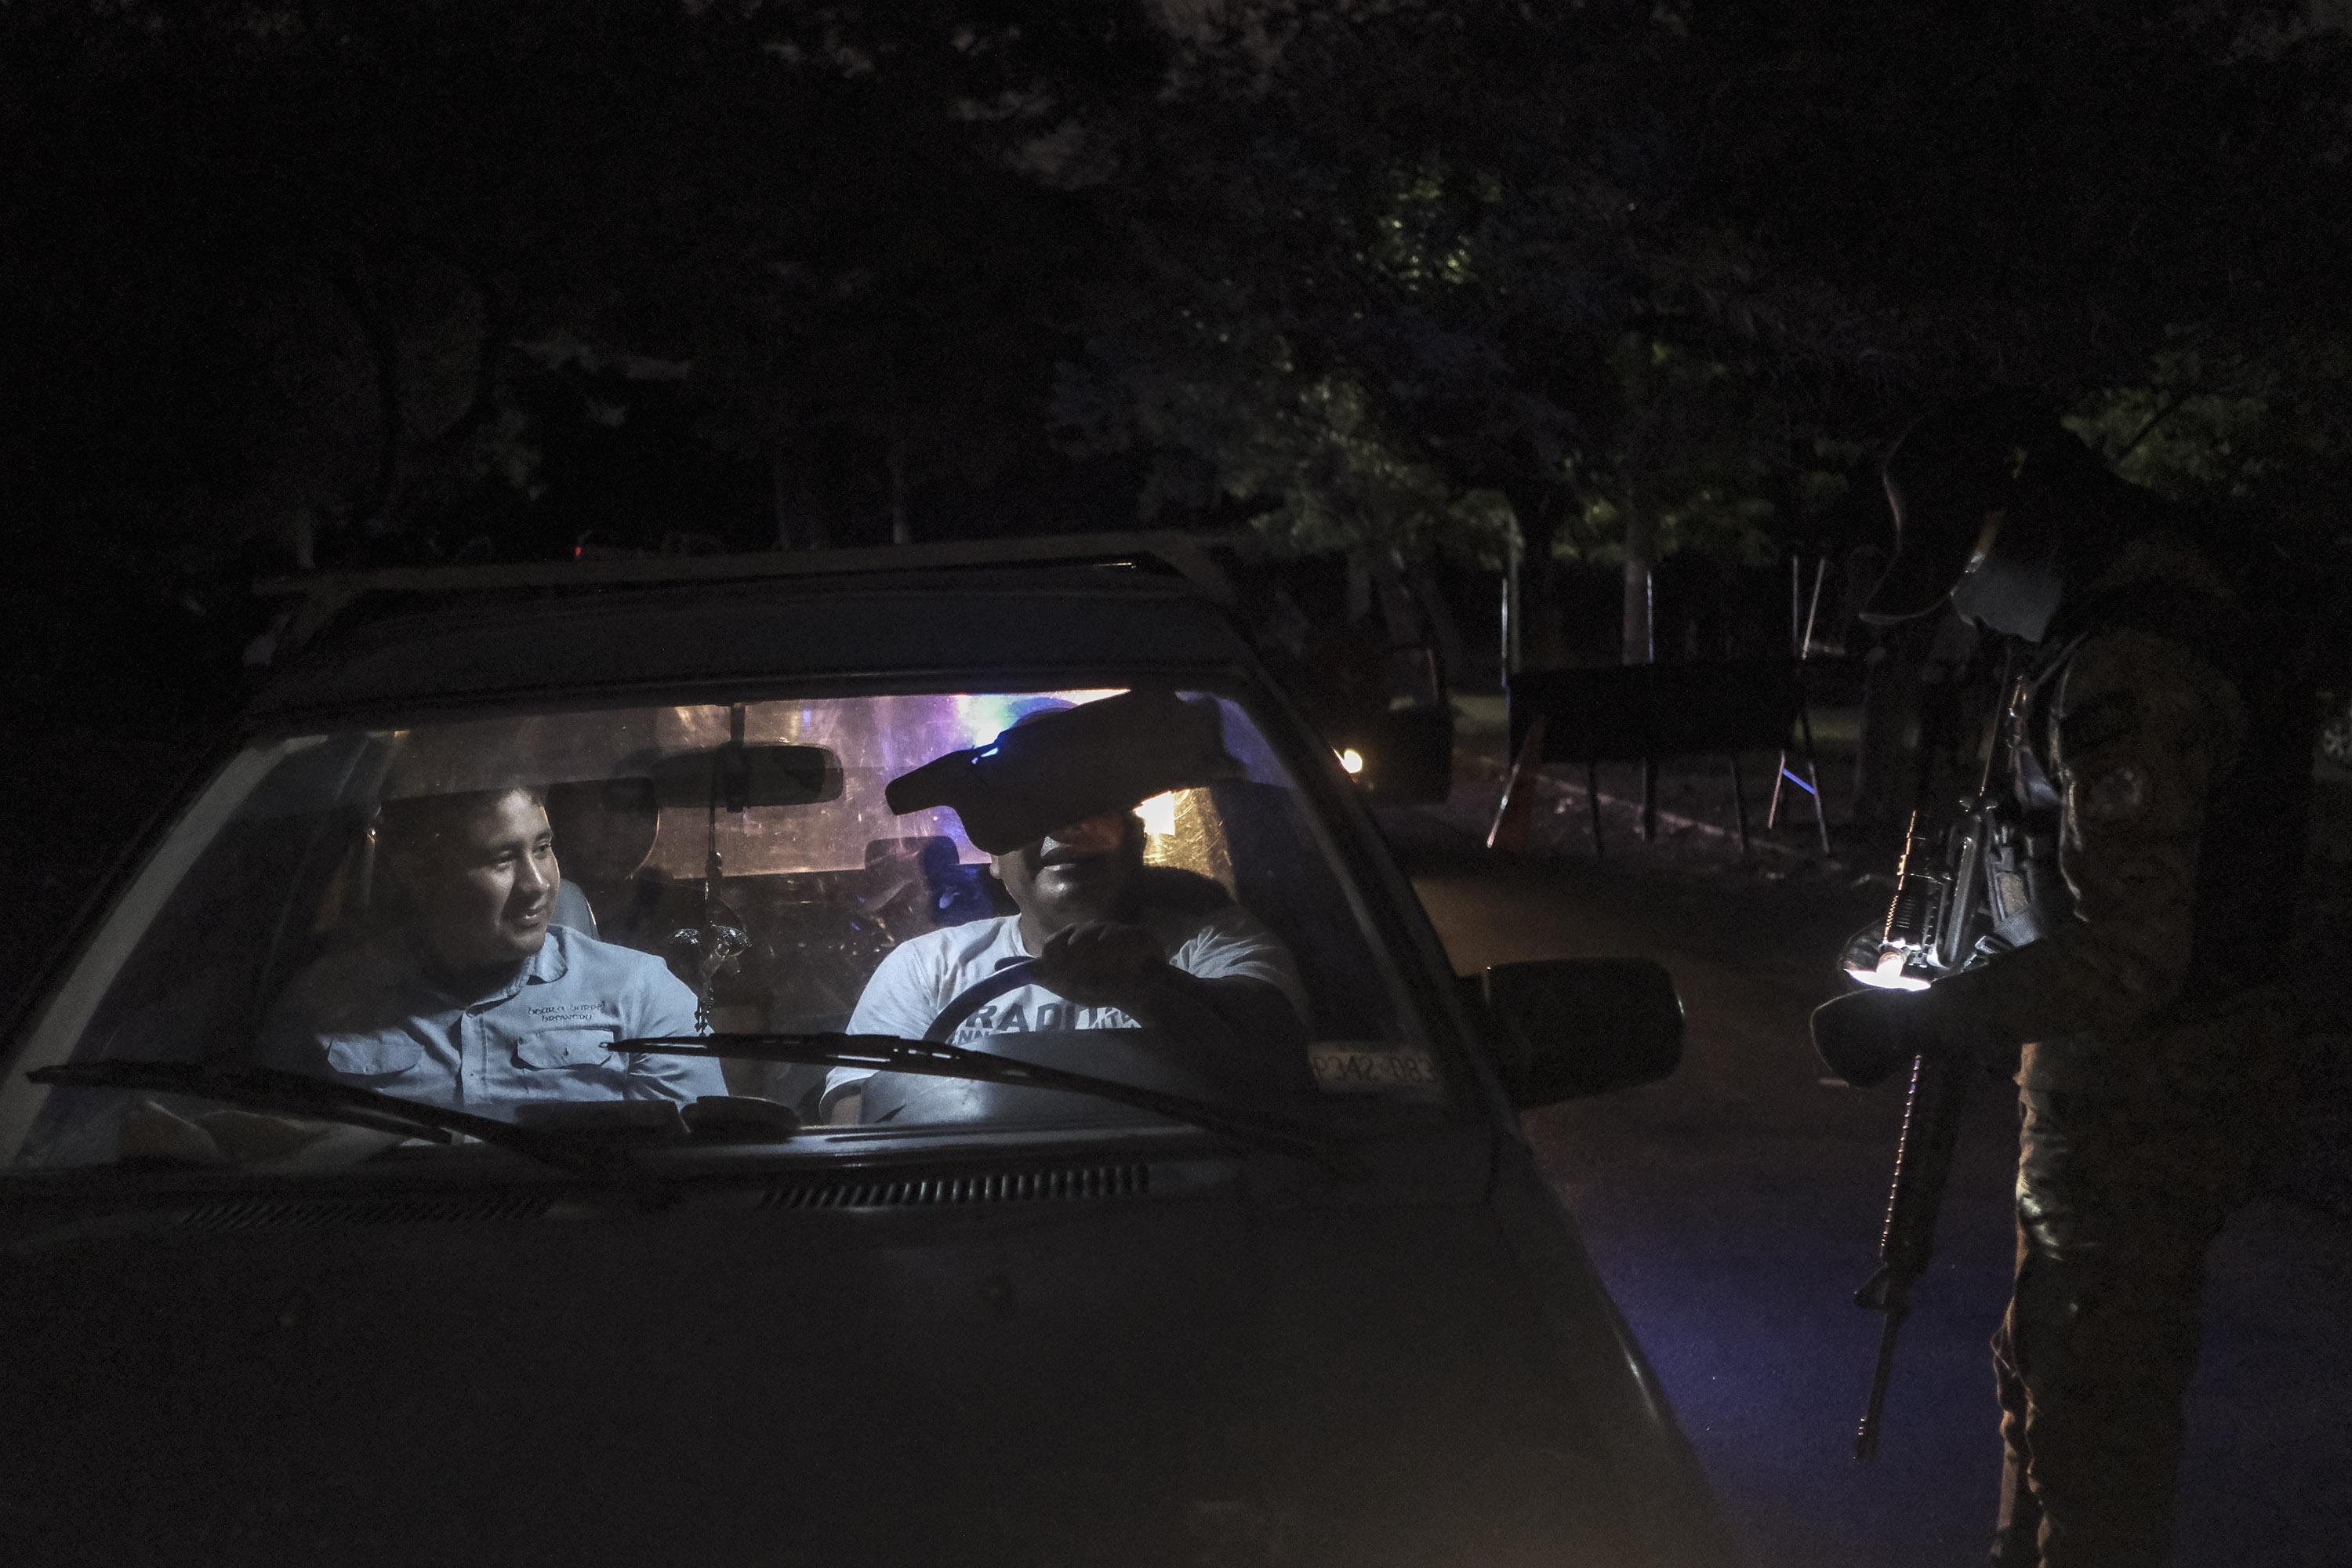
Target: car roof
point(391, 639)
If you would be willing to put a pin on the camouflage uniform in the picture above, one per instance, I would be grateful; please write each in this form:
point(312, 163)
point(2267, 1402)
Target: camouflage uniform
point(2154, 1026)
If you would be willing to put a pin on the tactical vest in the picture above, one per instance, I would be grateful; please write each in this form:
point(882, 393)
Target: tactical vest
point(2251, 851)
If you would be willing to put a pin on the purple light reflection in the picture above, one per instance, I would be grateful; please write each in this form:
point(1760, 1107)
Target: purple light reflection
point(877, 739)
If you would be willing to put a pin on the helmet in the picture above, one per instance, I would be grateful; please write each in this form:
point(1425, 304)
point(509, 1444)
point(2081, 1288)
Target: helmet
point(1972, 487)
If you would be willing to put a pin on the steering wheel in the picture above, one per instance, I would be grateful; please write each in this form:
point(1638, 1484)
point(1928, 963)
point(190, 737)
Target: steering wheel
point(1014, 974)
point(1130, 1055)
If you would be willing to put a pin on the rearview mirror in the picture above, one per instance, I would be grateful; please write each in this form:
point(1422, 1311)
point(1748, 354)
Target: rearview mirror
point(739, 777)
point(1569, 1028)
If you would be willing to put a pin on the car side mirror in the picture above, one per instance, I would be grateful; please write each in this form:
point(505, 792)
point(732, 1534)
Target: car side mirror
point(1568, 1027)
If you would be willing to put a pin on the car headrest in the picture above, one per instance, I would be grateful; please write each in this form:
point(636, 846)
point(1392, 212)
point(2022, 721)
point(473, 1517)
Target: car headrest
point(573, 908)
point(604, 828)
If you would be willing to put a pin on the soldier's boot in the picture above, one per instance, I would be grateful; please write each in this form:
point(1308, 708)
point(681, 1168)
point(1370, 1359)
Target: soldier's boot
point(2016, 1529)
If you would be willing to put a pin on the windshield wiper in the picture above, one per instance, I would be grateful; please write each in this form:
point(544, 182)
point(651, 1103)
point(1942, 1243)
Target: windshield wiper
point(929, 1058)
point(324, 1099)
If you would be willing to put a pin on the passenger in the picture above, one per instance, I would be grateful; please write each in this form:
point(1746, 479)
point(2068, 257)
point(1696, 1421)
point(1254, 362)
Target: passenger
point(606, 827)
point(1117, 944)
point(473, 998)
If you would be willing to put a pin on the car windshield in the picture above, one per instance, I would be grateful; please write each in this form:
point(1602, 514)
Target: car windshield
point(659, 921)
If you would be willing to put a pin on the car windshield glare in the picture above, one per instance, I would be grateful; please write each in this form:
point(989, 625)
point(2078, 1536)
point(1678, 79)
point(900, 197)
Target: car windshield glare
point(486, 915)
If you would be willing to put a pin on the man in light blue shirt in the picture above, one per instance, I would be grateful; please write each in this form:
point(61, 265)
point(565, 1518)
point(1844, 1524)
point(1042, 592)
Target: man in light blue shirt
point(474, 999)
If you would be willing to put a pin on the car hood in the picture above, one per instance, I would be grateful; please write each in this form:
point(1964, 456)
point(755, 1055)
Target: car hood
point(1214, 1376)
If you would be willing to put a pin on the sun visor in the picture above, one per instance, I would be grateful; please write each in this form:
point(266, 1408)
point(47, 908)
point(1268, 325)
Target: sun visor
point(1061, 766)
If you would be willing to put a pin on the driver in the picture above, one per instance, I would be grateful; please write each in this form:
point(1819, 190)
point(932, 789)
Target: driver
point(1117, 944)
point(474, 998)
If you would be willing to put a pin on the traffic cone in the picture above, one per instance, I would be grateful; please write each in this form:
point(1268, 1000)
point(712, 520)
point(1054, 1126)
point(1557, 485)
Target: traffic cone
point(1514, 827)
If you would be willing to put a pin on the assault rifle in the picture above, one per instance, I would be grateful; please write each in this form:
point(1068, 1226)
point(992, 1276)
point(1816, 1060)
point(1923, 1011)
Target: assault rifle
point(1947, 914)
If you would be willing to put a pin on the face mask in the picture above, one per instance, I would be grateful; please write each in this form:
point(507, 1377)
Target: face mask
point(2012, 584)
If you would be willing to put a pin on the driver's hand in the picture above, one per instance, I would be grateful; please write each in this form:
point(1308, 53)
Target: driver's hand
point(1099, 964)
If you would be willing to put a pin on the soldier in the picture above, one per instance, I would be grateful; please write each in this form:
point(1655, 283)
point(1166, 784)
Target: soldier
point(2161, 768)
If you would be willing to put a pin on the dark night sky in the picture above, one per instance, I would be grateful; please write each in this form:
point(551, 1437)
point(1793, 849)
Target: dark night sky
point(360, 282)
point(424, 282)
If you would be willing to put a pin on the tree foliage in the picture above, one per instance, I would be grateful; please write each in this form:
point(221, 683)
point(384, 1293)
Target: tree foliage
point(1453, 276)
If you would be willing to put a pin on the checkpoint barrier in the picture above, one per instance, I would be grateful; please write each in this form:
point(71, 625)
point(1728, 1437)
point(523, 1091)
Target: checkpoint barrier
point(1648, 713)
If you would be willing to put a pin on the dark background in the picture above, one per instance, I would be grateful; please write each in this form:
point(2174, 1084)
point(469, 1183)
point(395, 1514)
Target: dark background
point(335, 283)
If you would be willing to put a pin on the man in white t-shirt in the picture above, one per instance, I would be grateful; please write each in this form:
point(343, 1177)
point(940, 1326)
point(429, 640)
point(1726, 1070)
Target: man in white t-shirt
point(1116, 943)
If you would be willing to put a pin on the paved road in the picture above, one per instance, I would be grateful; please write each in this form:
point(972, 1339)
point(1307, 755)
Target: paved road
point(1735, 1208)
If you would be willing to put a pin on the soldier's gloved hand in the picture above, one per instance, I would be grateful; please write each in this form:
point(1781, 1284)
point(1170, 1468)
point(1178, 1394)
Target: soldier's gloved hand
point(1868, 1035)
point(1863, 949)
